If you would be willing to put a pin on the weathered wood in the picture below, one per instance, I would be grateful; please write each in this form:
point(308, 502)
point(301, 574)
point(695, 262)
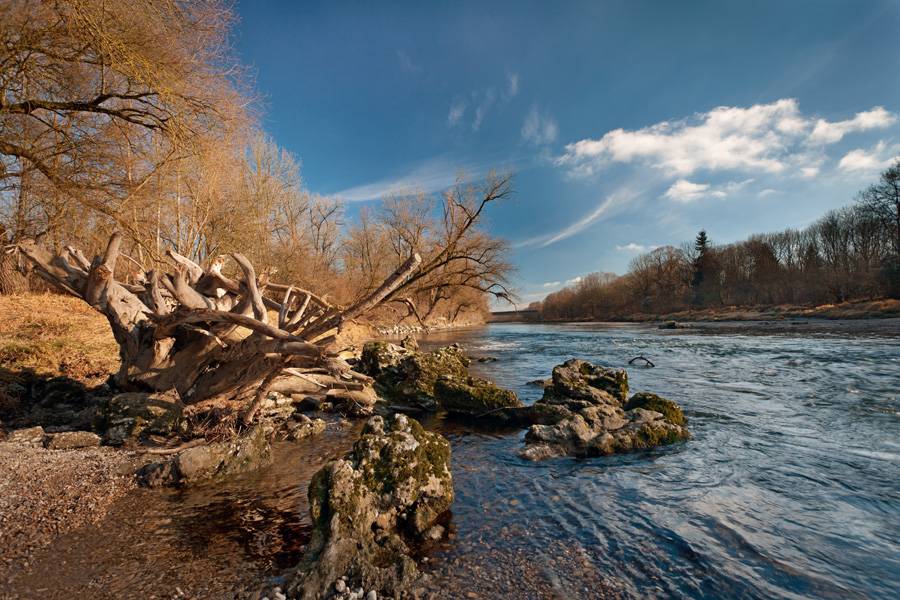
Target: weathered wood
point(178, 331)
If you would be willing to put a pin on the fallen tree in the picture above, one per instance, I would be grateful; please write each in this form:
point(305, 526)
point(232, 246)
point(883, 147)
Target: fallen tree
point(188, 330)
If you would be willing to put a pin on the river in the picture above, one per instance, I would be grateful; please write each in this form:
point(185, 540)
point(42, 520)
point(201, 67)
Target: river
point(790, 487)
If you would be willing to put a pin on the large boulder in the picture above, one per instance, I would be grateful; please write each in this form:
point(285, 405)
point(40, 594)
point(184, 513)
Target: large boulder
point(370, 507)
point(579, 383)
point(407, 377)
point(245, 453)
point(137, 415)
point(473, 396)
point(585, 412)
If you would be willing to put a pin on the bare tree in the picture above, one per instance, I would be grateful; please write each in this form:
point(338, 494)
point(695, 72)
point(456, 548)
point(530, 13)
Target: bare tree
point(97, 97)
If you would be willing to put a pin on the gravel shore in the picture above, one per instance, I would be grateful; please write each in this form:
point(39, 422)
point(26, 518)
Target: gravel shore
point(46, 493)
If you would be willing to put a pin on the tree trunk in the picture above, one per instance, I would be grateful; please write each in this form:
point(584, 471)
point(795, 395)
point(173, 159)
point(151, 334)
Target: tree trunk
point(187, 331)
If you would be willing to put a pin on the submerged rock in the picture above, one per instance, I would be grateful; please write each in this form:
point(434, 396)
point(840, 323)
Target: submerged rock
point(245, 453)
point(473, 396)
point(585, 412)
point(137, 415)
point(368, 507)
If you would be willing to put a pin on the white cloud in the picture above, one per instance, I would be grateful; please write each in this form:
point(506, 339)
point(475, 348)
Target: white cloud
point(685, 191)
point(862, 160)
point(770, 138)
point(539, 129)
point(829, 133)
point(766, 192)
point(632, 247)
point(550, 284)
point(574, 281)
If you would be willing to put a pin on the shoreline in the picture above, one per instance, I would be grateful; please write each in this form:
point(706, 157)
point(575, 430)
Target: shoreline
point(873, 325)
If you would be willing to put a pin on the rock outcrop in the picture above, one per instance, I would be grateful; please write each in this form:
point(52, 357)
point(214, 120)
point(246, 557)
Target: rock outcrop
point(585, 411)
point(368, 507)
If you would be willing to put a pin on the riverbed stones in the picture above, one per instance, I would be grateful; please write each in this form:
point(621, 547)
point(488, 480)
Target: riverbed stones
point(368, 507)
point(70, 440)
point(31, 436)
point(585, 412)
point(304, 428)
point(137, 415)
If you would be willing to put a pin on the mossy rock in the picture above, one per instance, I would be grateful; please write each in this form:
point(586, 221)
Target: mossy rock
point(377, 357)
point(577, 379)
point(369, 506)
point(411, 378)
point(669, 410)
point(473, 396)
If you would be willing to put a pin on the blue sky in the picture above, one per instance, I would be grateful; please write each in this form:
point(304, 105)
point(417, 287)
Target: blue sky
point(630, 125)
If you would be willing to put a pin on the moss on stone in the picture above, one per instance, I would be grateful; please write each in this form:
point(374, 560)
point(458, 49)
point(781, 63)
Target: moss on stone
point(670, 411)
point(651, 436)
point(473, 396)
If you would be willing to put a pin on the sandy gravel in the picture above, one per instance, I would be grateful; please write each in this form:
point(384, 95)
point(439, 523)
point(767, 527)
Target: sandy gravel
point(45, 493)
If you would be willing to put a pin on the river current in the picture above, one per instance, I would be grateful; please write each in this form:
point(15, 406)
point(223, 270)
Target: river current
point(790, 487)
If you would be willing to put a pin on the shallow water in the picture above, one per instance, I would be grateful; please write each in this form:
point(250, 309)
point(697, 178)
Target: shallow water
point(790, 487)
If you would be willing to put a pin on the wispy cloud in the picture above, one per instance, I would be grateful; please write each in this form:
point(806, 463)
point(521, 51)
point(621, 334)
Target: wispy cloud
point(578, 226)
point(483, 100)
point(550, 284)
point(406, 63)
point(539, 129)
point(770, 138)
point(513, 89)
point(435, 174)
point(457, 109)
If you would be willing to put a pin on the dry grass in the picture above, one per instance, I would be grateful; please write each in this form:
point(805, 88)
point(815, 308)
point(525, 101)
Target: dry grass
point(48, 335)
point(855, 309)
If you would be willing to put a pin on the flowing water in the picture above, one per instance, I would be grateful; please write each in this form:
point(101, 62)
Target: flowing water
point(790, 487)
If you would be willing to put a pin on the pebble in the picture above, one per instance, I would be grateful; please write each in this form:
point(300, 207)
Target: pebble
point(340, 586)
point(371, 595)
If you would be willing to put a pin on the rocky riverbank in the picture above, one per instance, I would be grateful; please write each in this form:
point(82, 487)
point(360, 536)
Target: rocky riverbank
point(47, 493)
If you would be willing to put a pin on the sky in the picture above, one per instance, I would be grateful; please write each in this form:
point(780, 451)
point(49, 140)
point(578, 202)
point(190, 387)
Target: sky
point(629, 124)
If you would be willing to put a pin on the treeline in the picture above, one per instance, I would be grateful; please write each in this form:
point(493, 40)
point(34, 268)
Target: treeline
point(850, 253)
point(137, 116)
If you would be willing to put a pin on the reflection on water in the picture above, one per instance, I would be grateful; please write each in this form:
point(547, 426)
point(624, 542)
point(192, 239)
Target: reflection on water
point(789, 489)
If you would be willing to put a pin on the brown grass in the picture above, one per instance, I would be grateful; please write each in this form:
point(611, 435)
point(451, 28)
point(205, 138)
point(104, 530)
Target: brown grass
point(854, 309)
point(48, 335)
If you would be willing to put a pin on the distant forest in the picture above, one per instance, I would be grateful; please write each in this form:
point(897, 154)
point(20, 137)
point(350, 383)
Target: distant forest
point(848, 254)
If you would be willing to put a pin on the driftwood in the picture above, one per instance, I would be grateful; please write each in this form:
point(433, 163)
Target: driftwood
point(187, 330)
point(647, 361)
